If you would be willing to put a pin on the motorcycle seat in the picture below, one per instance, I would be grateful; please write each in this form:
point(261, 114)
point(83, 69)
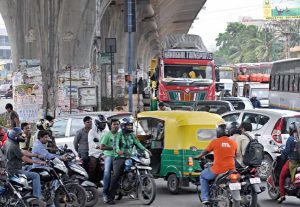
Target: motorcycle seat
point(220, 176)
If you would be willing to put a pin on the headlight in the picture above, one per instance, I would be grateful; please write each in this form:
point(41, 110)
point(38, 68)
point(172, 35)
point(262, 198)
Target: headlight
point(145, 161)
point(206, 134)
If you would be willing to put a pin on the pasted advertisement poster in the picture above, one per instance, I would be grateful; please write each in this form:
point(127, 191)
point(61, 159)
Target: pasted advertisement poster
point(87, 96)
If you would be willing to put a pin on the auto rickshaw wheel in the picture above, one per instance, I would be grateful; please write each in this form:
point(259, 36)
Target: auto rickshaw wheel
point(173, 184)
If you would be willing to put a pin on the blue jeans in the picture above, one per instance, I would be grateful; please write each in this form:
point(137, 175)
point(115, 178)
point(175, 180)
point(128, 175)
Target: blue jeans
point(107, 171)
point(36, 182)
point(205, 177)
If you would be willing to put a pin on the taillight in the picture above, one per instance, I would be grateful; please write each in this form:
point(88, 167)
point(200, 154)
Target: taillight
point(234, 177)
point(276, 133)
point(190, 162)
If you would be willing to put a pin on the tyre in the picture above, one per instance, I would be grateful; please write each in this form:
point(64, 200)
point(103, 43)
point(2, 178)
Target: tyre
point(173, 184)
point(265, 170)
point(147, 190)
point(77, 196)
point(92, 196)
point(30, 201)
point(273, 192)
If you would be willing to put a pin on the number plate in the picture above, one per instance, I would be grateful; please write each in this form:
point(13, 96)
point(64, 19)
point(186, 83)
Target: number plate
point(235, 186)
point(255, 180)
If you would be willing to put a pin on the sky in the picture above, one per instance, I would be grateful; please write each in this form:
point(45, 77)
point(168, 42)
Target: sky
point(213, 18)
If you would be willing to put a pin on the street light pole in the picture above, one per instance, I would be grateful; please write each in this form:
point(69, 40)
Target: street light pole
point(111, 79)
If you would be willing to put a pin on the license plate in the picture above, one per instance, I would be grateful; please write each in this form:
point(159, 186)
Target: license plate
point(255, 180)
point(235, 186)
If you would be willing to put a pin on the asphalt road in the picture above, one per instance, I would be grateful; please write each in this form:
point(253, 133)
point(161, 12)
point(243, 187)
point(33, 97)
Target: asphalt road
point(188, 198)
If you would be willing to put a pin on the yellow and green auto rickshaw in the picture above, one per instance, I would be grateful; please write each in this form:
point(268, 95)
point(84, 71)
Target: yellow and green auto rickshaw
point(174, 137)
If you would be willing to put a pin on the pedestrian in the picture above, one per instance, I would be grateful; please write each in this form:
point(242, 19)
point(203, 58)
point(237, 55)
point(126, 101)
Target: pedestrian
point(80, 142)
point(163, 107)
point(94, 138)
point(11, 117)
point(27, 135)
point(107, 143)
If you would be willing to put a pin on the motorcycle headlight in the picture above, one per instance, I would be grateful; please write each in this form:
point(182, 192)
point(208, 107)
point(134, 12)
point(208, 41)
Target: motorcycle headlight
point(145, 161)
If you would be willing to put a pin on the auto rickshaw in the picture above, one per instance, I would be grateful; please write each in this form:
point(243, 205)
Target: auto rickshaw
point(174, 138)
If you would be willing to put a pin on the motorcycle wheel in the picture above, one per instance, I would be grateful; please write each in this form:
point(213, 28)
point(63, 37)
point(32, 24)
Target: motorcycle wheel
point(147, 195)
point(273, 192)
point(30, 201)
point(77, 195)
point(92, 196)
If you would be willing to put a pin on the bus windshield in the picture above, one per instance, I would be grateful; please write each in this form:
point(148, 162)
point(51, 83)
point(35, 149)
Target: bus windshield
point(226, 74)
point(188, 71)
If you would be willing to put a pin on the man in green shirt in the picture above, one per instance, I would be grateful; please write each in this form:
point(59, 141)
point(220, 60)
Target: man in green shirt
point(123, 147)
point(107, 143)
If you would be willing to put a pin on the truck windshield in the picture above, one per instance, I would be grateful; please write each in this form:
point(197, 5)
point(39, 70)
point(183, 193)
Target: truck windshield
point(188, 71)
point(226, 74)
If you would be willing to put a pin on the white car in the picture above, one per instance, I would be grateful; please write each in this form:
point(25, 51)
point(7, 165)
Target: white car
point(270, 126)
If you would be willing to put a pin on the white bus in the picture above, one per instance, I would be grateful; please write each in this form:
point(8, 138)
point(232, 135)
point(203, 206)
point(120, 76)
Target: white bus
point(284, 85)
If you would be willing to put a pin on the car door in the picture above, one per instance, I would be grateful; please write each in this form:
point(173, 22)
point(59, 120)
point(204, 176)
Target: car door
point(59, 131)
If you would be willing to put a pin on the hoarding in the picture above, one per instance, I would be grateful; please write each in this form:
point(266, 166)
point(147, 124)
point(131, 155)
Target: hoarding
point(281, 9)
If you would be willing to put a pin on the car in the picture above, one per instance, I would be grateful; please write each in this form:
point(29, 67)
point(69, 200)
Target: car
point(216, 107)
point(65, 127)
point(239, 103)
point(269, 126)
point(6, 90)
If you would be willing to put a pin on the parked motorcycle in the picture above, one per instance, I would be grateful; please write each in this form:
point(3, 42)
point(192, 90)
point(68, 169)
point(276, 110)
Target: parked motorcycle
point(291, 188)
point(137, 179)
point(53, 188)
point(12, 188)
point(224, 190)
point(251, 187)
point(76, 173)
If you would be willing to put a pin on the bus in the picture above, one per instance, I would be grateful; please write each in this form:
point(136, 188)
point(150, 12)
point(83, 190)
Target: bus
point(253, 72)
point(284, 85)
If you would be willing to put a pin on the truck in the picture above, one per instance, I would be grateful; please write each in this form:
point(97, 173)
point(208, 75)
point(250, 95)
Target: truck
point(184, 73)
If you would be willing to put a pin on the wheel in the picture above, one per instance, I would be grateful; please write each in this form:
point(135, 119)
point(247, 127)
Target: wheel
point(273, 192)
point(29, 201)
point(265, 170)
point(147, 190)
point(77, 196)
point(249, 196)
point(92, 196)
point(173, 184)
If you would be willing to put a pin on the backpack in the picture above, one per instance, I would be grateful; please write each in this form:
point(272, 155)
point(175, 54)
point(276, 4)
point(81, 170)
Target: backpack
point(296, 151)
point(254, 153)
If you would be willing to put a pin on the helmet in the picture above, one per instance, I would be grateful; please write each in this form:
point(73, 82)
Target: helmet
point(127, 125)
point(233, 128)
point(294, 128)
point(43, 124)
point(15, 134)
point(100, 122)
point(222, 131)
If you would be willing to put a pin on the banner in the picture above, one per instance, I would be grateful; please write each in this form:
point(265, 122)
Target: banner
point(281, 9)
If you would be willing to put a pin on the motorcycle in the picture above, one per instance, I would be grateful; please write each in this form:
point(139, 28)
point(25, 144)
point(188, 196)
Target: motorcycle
point(291, 188)
point(224, 190)
point(76, 173)
point(12, 189)
point(137, 179)
point(250, 187)
point(53, 188)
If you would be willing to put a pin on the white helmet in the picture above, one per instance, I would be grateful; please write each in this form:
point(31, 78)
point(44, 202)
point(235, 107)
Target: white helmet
point(43, 124)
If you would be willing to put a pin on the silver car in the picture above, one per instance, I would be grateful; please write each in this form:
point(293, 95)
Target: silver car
point(270, 126)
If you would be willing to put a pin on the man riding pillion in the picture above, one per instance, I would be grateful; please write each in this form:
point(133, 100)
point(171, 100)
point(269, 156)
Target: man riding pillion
point(123, 146)
point(94, 147)
point(224, 150)
point(107, 142)
point(293, 158)
point(15, 156)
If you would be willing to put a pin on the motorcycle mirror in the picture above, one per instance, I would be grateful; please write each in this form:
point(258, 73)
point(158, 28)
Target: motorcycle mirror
point(66, 146)
point(96, 140)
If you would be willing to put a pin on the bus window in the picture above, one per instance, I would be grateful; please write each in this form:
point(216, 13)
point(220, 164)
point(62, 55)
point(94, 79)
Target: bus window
point(277, 82)
point(291, 83)
point(281, 82)
point(297, 83)
point(286, 82)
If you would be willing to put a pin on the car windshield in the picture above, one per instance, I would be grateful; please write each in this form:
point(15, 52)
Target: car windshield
point(260, 93)
point(287, 122)
point(188, 71)
point(5, 86)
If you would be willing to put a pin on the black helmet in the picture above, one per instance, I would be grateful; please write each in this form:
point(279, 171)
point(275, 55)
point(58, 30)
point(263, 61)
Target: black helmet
point(100, 122)
point(127, 125)
point(294, 127)
point(233, 128)
point(222, 131)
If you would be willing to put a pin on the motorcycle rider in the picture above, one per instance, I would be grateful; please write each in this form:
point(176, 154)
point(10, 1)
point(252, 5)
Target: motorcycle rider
point(224, 150)
point(123, 146)
point(291, 164)
point(15, 156)
point(39, 148)
point(52, 143)
point(107, 142)
point(94, 148)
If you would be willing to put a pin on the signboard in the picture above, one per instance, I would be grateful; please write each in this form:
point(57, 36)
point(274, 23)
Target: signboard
point(105, 58)
point(179, 54)
point(281, 9)
point(87, 96)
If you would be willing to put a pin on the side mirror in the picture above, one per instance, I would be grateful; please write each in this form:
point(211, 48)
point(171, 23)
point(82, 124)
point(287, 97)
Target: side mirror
point(96, 140)
point(66, 146)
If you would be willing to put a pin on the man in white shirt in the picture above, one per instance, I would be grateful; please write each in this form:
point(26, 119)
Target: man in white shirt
point(94, 139)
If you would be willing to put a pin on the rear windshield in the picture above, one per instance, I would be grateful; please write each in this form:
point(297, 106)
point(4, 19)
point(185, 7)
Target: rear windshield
point(213, 108)
point(286, 123)
point(239, 105)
